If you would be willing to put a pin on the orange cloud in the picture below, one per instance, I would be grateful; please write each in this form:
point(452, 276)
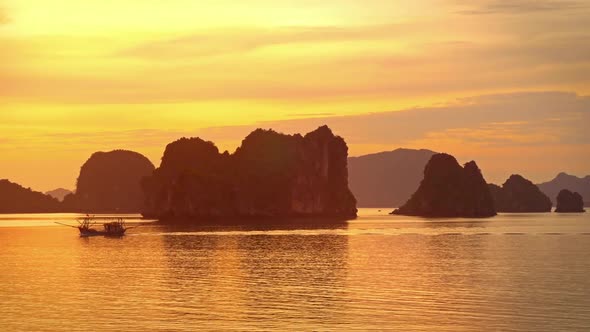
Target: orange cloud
point(239, 40)
point(437, 69)
point(387, 59)
point(489, 7)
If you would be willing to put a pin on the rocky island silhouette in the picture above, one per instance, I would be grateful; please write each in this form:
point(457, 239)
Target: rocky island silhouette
point(269, 175)
point(568, 201)
point(110, 182)
point(14, 198)
point(449, 190)
point(518, 194)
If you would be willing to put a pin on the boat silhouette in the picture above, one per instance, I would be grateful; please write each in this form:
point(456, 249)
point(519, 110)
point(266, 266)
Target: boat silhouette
point(88, 227)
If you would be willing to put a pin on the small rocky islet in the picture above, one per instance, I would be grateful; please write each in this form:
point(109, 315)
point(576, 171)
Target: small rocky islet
point(518, 194)
point(569, 202)
point(450, 190)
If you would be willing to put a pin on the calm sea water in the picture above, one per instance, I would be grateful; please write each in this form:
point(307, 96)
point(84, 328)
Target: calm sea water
point(514, 272)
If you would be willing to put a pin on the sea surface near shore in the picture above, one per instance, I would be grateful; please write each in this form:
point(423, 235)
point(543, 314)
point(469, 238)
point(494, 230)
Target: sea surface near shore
point(513, 272)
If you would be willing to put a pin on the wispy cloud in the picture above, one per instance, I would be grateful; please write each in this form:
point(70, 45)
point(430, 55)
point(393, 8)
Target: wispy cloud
point(505, 133)
point(442, 55)
point(137, 138)
point(504, 114)
point(526, 118)
point(521, 6)
point(240, 40)
point(433, 68)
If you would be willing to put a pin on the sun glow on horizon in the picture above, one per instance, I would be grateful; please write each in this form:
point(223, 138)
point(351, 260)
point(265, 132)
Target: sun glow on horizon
point(76, 77)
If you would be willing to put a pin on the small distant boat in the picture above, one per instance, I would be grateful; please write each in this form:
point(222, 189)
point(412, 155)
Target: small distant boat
point(87, 225)
point(114, 228)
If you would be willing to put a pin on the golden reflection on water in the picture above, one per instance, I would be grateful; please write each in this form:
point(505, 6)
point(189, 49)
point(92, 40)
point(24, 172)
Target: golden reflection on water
point(358, 276)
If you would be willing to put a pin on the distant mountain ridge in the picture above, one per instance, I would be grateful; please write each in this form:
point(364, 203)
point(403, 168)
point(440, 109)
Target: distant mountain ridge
point(15, 198)
point(387, 179)
point(59, 193)
point(569, 182)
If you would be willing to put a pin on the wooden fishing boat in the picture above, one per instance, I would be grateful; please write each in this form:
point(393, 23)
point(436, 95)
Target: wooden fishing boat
point(87, 225)
point(115, 228)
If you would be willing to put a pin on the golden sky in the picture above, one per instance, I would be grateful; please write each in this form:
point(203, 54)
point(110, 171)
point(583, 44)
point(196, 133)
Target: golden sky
point(503, 82)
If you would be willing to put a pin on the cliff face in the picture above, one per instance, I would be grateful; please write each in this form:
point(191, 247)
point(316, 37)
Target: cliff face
point(449, 190)
point(568, 201)
point(387, 178)
point(569, 182)
point(110, 182)
point(518, 194)
point(269, 175)
point(16, 199)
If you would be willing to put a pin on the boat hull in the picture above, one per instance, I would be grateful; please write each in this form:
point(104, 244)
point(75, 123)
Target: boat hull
point(94, 232)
